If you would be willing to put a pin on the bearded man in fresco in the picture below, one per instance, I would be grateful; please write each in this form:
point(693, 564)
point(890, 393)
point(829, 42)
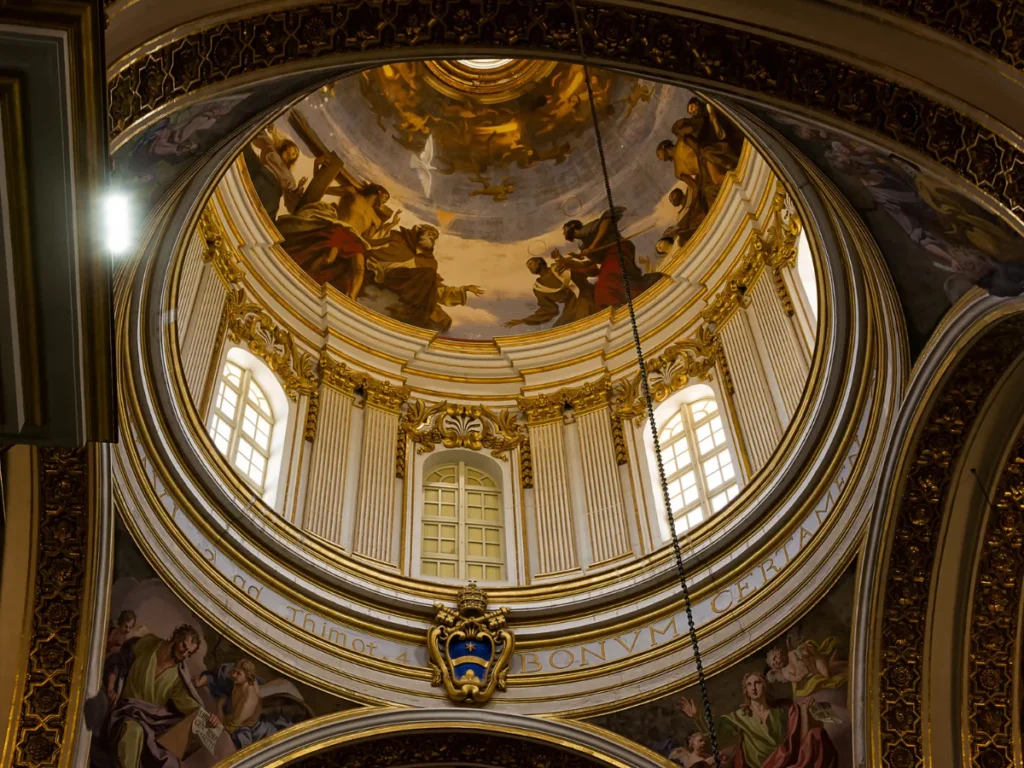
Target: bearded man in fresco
point(560, 297)
point(599, 256)
point(407, 267)
point(772, 733)
point(156, 695)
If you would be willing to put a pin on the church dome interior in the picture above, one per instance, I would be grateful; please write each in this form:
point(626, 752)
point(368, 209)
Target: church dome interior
point(510, 385)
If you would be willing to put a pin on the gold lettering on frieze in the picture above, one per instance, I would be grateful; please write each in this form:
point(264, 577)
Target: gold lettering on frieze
point(656, 633)
point(533, 660)
point(599, 655)
point(569, 663)
point(714, 602)
point(629, 648)
point(742, 585)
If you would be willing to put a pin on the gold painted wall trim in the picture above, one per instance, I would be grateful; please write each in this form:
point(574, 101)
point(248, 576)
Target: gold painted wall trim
point(45, 718)
point(994, 656)
point(915, 526)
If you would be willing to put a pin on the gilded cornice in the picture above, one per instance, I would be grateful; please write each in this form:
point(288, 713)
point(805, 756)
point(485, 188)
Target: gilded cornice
point(915, 533)
point(700, 50)
point(337, 375)
point(384, 395)
point(994, 655)
point(219, 253)
point(250, 324)
point(591, 396)
point(462, 426)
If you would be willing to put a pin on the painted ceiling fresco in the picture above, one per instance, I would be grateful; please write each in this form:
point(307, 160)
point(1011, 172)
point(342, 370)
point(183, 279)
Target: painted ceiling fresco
point(466, 197)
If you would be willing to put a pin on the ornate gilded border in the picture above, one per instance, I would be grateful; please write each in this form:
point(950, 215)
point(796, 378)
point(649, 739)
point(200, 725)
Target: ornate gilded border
point(697, 50)
point(994, 620)
point(995, 27)
point(49, 706)
point(917, 525)
point(462, 748)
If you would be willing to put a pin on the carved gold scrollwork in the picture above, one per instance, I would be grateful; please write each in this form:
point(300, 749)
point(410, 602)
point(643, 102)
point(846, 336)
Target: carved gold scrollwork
point(462, 426)
point(218, 253)
point(384, 395)
point(338, 375)
point(669, 372)
point(250, 324)
point(773, 248)
point(542, 409)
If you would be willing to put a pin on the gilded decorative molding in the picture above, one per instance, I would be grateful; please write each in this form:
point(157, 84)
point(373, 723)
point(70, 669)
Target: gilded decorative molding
point(312, 414)
point(470, 648)
point(994, 654)
point(62, 551)
point(773, 248)
point(621, 455)
point(401, 448)
point(916, 527)
point(592, 396)
point(993, 26)
point(339, 376)
point(219, 253)
point(250, 324)
point(672, 370)
point(493, 749)
point(462, 426)
point(526, 462)
point(700, 50)
point(384, 395)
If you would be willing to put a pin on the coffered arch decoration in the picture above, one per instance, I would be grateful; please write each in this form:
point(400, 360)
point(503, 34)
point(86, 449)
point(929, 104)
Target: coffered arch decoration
point(695, 51)
point(389, 738)
point(941, 575)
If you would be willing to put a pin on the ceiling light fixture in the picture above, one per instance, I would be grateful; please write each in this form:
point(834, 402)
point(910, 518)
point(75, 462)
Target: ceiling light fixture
point(484, 64)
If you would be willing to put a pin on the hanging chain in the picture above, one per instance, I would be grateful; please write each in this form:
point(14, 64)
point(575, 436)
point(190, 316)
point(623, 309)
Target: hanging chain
point(676, 548)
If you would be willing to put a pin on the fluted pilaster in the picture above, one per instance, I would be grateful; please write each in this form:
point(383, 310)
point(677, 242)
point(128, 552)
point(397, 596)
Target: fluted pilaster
point(785, 353)
point(755, 405)
point(377, 515)
point(606, 525)
point(199, 342)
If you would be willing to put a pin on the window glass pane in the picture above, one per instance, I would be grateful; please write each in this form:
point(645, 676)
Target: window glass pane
point(474, 571)
point(233, 374)
point(494, 572)
point(446, 570)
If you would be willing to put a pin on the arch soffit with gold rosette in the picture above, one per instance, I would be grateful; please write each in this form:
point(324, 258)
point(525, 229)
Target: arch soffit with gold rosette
point(940, 603)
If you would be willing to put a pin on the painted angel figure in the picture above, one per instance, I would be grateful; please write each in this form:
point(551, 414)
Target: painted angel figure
point(243, 702)
point(278, 154)
point(422, 164)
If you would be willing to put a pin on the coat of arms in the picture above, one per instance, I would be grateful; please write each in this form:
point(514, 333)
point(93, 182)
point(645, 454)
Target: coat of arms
point(470, 648)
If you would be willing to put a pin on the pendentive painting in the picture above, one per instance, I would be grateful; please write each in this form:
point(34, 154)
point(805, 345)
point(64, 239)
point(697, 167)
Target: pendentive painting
point(937, 242)
point(466, 197)
point(785, 706)
point(175, 693)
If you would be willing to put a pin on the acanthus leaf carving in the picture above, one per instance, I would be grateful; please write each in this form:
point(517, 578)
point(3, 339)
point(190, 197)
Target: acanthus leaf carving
point(475, 427)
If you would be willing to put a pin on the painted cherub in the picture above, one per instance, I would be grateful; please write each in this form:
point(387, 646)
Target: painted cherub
point(497, 192)
point(123, 630)
point(807, 659)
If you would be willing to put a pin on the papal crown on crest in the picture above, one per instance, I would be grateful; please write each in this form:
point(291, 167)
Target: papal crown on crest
point(472, 601)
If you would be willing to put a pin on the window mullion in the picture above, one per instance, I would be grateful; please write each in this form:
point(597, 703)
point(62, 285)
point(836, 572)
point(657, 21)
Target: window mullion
point(236, 423)
point(698, 463)
point(461, 543)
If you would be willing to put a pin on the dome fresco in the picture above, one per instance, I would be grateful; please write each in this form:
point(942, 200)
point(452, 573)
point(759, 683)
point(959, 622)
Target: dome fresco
point(439, 193)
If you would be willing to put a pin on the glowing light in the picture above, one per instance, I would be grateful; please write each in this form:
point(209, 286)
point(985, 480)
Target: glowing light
point(484, 64)
point(117, 219)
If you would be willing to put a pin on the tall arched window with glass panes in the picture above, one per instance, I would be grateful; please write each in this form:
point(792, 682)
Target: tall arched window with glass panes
point(242, 424)
point(699, 466)
point(463, 534)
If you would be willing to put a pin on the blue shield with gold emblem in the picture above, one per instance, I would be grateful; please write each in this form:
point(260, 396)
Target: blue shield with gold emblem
point(470, 649)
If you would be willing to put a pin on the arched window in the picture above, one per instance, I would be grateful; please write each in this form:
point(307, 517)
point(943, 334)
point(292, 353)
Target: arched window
point(698, 464)
point(463, 534)
point(242, 424)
